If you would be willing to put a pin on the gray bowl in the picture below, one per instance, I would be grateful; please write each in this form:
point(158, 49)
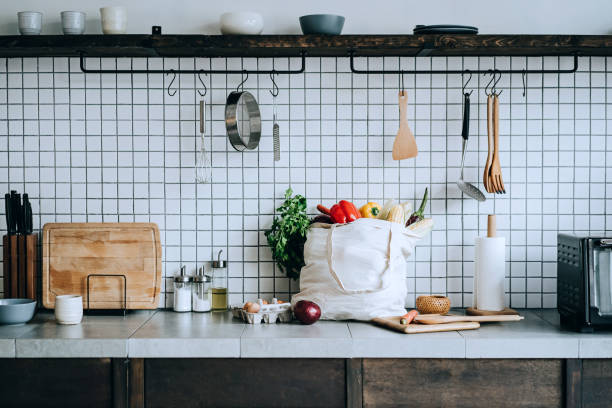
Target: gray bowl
point(16, 311)
point(322, 24)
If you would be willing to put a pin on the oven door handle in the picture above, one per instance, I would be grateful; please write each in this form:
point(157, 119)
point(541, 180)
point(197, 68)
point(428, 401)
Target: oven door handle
point(605, 242)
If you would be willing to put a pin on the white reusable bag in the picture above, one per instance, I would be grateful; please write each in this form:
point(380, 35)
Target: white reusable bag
point(357, 270)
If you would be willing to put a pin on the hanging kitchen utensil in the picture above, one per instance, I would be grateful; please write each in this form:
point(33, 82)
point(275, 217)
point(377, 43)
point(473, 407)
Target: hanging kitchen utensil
point(487, 167)
point(495, 178)
point(467, 188)
point(203, 166)
point(404, 145)
point(242, 119)
point(275, 127)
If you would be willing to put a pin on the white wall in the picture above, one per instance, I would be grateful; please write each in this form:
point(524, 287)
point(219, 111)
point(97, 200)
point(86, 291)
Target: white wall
point(363, 17)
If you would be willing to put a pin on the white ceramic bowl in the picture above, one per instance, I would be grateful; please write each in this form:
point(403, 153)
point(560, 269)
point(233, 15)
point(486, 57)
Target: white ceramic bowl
point(68, 309)
point(241, 22)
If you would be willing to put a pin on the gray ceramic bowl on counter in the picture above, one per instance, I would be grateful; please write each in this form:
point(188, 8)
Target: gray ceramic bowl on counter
point(322, 24)
point(16, 311)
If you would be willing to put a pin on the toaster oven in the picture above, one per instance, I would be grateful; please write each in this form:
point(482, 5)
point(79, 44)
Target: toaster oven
point(584, 282)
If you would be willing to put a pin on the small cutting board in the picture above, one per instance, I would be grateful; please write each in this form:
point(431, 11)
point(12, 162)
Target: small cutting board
point(72, 251)
point(438, 319)
point(393, 323)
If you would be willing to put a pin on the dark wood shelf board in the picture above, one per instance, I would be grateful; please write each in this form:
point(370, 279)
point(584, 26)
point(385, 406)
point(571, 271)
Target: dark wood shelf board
point(136, 45)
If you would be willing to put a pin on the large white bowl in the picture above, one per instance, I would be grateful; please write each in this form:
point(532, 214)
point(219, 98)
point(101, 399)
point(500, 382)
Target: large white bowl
point(241, 22)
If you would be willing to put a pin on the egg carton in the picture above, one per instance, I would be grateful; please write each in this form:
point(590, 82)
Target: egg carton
point(270, 313)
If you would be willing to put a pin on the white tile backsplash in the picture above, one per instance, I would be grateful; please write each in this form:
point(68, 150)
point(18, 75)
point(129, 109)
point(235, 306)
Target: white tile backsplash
point(120, 148)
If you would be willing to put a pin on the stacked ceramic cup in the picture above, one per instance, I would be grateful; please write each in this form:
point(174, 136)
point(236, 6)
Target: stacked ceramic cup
point(30, 22)
point(73, 22)
point(68, 309)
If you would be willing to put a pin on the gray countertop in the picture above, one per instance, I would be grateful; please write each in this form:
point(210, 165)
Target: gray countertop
point(146, 334)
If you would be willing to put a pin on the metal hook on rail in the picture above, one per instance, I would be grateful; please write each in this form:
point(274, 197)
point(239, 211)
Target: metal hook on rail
point(171, 82)
point(274, 91)
point(492, 73)
point(493, 91)
point(202, 94)
point(243, 81)
point(524, 74)
point(467, 82)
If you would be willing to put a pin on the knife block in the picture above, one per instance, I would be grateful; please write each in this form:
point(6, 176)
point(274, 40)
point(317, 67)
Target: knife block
point(20, 257)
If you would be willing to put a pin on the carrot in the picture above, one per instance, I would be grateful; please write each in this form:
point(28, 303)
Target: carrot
point(323, 209)
point(409, 317)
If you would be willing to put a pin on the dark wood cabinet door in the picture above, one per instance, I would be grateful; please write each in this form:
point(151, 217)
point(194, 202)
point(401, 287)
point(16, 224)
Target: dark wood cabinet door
point(245, 383)
point(43, 382)
point(597, 383)
point(462, 383)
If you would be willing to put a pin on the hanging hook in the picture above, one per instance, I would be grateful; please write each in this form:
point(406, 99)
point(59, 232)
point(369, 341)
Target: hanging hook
point(495, 83)
point(274, 91)
point(468, 81)
point(243, 80)
point(492, 73)
point(202, 94)
point(171, 82)
point(524, 83)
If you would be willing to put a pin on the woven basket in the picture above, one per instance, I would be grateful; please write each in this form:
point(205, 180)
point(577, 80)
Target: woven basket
point(434, 304)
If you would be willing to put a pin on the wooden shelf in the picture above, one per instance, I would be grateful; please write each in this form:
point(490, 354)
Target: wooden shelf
point(135, 45)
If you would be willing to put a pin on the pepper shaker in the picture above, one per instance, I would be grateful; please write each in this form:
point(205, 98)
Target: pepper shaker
point(182, 291)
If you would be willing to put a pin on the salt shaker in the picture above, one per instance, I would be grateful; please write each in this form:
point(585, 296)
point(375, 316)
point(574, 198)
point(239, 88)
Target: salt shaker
point(219, 284)
point(200, 296)
point(182, 291)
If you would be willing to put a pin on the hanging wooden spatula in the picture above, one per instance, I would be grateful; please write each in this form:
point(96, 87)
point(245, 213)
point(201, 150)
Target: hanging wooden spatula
point(404, 145)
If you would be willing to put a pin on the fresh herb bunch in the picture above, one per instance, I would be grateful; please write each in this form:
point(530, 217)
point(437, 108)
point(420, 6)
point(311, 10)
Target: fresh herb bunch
point(288, 234)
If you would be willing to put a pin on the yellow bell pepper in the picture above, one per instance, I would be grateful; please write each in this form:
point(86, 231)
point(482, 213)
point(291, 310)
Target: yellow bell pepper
point(370, 210)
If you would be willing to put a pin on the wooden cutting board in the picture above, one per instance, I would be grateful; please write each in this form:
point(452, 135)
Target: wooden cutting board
point(438, 319)
point(71, 251)
point(393, 323)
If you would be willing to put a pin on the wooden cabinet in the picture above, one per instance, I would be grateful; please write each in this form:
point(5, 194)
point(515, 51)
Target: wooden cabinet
point(462, 383)
point(244, 383)
point(140, 383)
point(86, 382)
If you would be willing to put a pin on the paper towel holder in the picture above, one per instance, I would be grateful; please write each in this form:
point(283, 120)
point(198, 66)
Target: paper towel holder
point(491, 226)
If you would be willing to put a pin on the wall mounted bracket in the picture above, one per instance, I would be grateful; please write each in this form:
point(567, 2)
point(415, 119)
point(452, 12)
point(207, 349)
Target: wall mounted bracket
point(426, 51)
point(299, 70)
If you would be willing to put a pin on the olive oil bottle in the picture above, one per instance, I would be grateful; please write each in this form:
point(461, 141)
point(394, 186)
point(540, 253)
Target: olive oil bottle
point(219, 284)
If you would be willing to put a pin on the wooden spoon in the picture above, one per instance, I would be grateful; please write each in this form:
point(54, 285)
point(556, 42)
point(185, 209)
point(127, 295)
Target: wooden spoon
point(487, 169)
point(404, 145)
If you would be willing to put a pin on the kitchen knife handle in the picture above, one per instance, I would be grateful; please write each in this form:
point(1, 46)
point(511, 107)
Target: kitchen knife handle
point(465, 130)
point(7, 213)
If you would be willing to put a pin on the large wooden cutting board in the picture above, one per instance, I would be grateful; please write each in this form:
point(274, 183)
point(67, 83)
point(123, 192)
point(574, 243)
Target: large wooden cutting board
point(393, 323)
point(71, 251)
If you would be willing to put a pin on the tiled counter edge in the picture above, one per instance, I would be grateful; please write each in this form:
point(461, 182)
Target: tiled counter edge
point(165, 334)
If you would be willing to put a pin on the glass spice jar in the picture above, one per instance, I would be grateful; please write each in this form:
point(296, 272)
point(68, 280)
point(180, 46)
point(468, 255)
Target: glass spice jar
point(182, 291)
point(200, 294)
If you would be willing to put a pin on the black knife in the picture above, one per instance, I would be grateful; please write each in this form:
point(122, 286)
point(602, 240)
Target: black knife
point(18, 212)
point(8, 209)
point(14, 211)
point(27, 215)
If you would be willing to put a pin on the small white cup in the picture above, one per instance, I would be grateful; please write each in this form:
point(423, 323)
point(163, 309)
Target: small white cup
point(30, 22)
point(68, 309)
point(114, 20)
point(73, 22)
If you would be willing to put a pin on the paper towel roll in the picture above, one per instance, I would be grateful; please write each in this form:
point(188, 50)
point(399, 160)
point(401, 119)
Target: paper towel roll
point(489, 272)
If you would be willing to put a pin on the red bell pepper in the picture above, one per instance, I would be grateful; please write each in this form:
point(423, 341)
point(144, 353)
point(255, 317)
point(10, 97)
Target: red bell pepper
point(344, 212)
